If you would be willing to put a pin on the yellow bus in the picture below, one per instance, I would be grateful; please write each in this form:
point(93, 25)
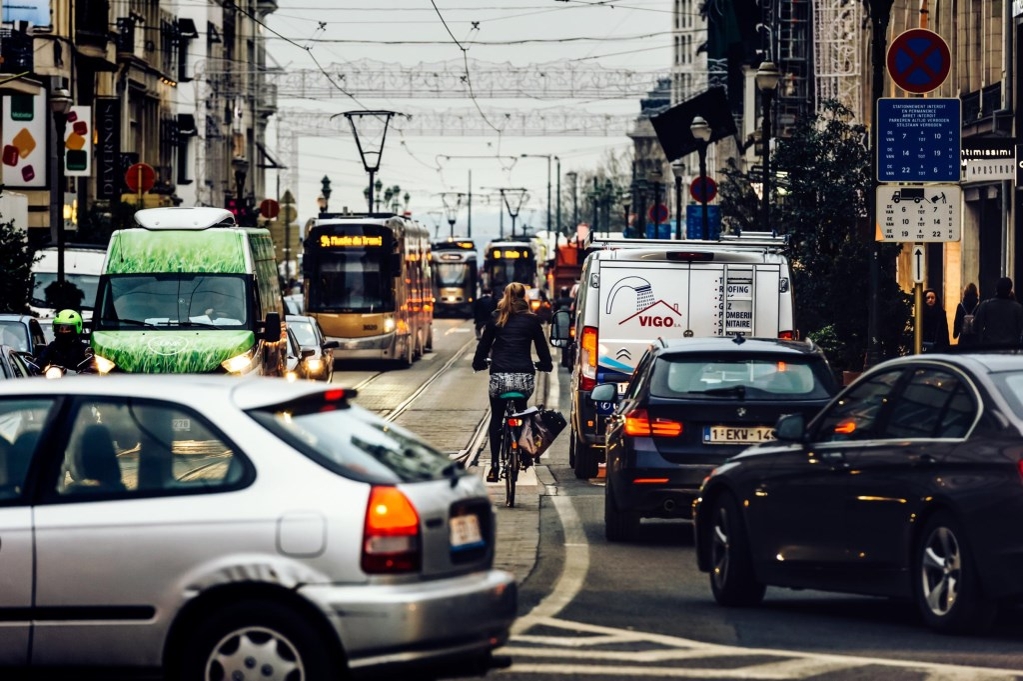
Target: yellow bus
point(367, 281)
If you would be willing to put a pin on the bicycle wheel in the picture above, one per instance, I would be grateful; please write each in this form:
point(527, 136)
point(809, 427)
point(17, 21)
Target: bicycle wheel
point(510, 454)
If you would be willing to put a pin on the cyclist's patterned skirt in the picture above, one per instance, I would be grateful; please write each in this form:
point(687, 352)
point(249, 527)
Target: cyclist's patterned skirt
point(506, 383)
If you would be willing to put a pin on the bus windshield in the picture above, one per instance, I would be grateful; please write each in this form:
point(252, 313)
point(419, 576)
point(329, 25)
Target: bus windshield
point(351, 281)
point(130, 301)
point(451, 274)
point(503, 271)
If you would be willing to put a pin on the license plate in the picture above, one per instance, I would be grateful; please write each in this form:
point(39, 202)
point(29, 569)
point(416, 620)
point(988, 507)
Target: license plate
point(733, 435)
point(465, 532)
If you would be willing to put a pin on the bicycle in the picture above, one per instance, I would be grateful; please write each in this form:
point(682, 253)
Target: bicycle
point(509, 453)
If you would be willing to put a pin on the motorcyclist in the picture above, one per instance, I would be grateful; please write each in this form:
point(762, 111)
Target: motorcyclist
point(67, 348)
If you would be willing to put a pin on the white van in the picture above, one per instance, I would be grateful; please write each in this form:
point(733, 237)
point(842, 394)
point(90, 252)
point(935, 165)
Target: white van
point(634, 291)
point(83, 265)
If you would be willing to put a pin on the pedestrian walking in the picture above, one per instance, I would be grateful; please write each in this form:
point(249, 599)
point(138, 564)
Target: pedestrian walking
point(482, 310)
point(964, 325)
point(935, 324)
point(999, 320)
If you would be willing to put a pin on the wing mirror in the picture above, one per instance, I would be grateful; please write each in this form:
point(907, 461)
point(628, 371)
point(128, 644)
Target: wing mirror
point(561, 329)
point(331, 345)
point(272, 327)
point(791, 428)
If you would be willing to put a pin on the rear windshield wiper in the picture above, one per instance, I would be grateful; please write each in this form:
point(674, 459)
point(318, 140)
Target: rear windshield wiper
point(737, 390)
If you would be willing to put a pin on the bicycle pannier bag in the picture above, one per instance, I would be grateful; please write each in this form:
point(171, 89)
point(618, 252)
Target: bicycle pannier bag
point(539, 430)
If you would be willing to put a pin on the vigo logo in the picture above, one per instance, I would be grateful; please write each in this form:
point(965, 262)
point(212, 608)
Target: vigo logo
point(646, 320)
point(171, 345)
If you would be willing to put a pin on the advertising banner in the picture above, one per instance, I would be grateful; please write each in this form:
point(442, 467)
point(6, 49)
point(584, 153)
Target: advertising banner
point(26, 124)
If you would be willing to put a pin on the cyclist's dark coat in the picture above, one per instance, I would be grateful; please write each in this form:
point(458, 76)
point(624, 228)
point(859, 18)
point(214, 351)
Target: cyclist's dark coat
point(508, 346)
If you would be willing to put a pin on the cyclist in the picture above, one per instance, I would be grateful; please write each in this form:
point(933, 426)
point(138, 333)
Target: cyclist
point(506, 338)
point(67, 348)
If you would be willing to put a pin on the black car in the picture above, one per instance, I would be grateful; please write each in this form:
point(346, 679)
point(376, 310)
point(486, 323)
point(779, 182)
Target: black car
point(22, 332)
point(691, 404)
point(319, 363)
point(908, 485)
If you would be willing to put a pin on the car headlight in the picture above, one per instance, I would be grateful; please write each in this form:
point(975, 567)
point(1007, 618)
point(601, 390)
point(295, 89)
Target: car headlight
point(314, 364)
point(388, 325)
point(291, 376)
point(103, 365)
point(53, 372)
point(239, 364)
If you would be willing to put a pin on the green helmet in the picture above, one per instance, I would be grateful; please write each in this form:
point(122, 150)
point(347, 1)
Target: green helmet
point(68, 318)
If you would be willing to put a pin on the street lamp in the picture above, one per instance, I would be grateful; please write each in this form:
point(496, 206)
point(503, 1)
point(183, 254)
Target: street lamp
point(452, 203)
point(240, 164)
point(369, 128)
point(60, 104)
point(767, 79)
point(326, 192)
point(654, 178)
point(574, 177)
point(701, 132)
point(548, 157)
point(679, 169)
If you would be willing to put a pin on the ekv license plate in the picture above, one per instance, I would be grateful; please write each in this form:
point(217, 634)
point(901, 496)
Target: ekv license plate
point(732, 435)
point(465, 532)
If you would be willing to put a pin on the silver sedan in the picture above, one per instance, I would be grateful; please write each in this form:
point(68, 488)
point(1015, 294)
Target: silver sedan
point(237, 529)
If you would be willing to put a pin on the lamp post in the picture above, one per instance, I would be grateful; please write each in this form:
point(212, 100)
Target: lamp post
point(679, 170)
point(701, 132)
point(369, 128)
point(60, 104)
point(767, 79)
point(548, 157)
point(452, 203)
point(654, 178)
point(574, 177)
point(325, 192)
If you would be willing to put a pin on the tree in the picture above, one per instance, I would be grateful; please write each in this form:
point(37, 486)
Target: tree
point(16, 260)
point(820, 188)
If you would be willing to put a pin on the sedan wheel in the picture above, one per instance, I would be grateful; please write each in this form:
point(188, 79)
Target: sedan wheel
point(618, 525)
point(264, 641)
point(948, 590)
point(731, 578)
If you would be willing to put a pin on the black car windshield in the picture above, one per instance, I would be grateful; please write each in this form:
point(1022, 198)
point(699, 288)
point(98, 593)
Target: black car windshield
point(757, 378)
point(354, 443)
point(132, 301)
point(304, 333)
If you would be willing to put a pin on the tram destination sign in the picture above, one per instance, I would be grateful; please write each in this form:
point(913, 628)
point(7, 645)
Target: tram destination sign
point(919, 139)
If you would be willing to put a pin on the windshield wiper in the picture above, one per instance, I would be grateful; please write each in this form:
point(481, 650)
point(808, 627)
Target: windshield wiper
point(122, 320)
point(189, 322)
point(737, 390)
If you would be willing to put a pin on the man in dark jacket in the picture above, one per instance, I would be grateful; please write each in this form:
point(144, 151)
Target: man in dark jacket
point(482, 309)
point(999, 320)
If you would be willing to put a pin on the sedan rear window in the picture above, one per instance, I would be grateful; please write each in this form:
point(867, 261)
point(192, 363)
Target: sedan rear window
point(354, 442)
point(763, 377)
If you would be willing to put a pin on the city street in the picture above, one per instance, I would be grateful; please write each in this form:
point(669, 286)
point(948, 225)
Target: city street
point(590, 609)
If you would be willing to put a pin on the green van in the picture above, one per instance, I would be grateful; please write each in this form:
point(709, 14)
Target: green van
point(189, 291)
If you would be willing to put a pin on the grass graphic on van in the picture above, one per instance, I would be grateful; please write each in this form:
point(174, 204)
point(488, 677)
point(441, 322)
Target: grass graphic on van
point(210, 251)
point(163, 352)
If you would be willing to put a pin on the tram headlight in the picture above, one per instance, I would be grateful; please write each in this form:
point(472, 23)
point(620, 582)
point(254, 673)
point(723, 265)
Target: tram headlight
point(388, 325)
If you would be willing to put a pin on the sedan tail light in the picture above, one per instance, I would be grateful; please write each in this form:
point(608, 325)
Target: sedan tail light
point(639, 424)
point(391, 540)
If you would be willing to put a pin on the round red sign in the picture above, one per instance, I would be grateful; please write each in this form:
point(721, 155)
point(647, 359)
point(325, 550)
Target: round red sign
point(140, 177)
point(703, 189)
point(269, 208)
point(919, 60)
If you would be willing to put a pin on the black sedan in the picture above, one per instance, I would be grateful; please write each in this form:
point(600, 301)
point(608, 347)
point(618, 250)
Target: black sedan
point(908, 485)
point(693, 403)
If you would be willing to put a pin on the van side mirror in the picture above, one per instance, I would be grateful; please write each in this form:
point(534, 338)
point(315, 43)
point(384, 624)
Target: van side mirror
point(561, 329)
point(272, 327)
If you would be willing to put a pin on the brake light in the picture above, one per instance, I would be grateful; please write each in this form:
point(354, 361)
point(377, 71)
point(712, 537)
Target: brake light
point(638, 424)
point(515, 422)
point(787, 335)
point(390, 541)
point(534, 305)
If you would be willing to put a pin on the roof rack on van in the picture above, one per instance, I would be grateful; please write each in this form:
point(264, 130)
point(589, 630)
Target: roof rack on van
point(179, 217)
point(745, 240)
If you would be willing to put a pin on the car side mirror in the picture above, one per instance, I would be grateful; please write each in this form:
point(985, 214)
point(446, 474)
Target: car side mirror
point(561, 329)
point(791, 428)
point(331, 345)
point(306, 352)
point(605, 392)
point(272, 327)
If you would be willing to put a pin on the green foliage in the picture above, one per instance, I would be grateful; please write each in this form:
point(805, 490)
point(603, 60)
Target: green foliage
point(822, 183)
point(16, 260)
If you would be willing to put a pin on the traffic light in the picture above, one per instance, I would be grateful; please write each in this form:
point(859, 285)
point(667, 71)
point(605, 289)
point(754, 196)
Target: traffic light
point(326, 187)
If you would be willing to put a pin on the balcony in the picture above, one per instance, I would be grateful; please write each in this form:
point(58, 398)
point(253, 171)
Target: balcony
point(982, 112)
point(266, 98)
